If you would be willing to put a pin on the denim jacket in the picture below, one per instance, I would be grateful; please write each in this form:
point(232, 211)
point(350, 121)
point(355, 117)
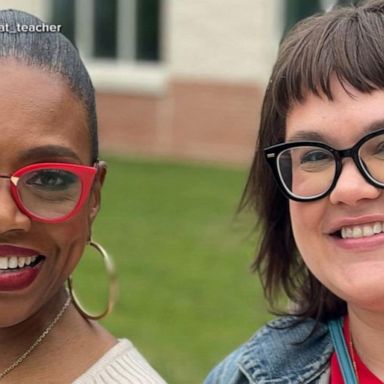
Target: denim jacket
point(277, 354)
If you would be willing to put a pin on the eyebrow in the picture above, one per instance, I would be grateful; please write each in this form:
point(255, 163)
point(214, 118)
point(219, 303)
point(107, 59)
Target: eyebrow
point(304, 135)
point(47, 152)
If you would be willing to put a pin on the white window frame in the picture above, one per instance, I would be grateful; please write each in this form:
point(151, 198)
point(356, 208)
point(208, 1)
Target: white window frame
point(122, 73)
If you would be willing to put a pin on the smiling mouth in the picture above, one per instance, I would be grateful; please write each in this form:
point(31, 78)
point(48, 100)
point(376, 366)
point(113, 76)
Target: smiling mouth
point(360, 231)
point(10, 264)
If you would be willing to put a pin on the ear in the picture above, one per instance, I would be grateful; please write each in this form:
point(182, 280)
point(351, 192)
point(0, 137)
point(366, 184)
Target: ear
point(95, 195)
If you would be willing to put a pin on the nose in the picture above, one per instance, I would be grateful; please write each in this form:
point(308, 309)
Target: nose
point(11, 218)
point(351, 187)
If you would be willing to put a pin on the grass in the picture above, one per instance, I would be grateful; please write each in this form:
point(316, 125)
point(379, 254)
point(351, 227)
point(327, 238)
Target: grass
point(187, 297)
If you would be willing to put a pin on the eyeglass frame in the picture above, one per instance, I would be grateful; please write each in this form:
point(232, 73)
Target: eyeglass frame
point(272, 153)
point(85, 173)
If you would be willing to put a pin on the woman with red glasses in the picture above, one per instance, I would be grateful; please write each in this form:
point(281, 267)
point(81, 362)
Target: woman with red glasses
point(50, 184)
point(317, 186)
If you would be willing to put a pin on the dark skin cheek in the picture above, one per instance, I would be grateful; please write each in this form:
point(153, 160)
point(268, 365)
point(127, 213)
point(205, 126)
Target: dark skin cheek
point(64, 242)
point(70, 238)
point(67, 259)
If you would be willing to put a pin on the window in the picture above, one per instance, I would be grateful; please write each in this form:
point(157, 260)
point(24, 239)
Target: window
point(127, 30)
point(299, 9)
point(62, 13)
point(148, 27)
point(105, 28)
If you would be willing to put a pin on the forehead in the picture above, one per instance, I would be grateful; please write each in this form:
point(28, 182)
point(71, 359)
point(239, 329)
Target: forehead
point(37, 108)
point(340, 121)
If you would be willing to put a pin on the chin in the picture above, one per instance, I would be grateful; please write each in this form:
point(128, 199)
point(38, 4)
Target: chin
point(15, 310)
point(365, 293)
point(12, 318)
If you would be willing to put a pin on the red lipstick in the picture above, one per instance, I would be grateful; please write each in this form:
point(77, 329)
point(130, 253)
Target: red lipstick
point(13, 250)
point(15, 277)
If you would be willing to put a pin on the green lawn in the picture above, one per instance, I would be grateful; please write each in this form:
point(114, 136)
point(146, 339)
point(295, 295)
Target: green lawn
point(187, 297)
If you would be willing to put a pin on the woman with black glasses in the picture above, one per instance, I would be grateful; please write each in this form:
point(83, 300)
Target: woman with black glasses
point(50, 183)
point(316, 185)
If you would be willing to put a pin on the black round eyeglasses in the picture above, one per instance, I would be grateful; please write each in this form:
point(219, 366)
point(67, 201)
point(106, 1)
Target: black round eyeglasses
point(309, 170)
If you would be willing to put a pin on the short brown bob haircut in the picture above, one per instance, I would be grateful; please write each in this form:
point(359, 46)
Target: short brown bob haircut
point(346, 42)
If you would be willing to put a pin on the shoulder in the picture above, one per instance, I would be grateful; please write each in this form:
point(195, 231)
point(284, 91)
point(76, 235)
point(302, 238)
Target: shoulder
point(123, 363)
point(284, 348)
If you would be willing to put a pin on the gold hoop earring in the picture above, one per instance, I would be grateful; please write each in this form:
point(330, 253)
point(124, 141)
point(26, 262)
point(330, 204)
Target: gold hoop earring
point(112, 294)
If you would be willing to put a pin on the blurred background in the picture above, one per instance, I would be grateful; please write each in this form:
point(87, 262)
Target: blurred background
point(179, 87)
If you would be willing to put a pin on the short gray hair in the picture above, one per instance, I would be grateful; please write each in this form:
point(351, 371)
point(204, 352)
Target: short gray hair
point(51, 51)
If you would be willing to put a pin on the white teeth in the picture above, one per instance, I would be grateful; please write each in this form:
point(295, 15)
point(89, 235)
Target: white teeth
point(365, 230)
point(357, 232)
point(3, 263)
point(21, 262)
point(377, 227)
point(12, 262)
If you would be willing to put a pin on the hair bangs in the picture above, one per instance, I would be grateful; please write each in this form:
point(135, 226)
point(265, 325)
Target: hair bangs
point(322, 47)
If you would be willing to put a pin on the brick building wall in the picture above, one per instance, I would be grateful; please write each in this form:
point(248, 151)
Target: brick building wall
point(206, 121)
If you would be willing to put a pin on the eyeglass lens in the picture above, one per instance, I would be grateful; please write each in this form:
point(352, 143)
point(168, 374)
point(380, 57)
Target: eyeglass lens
point(49, 193)
point(309, 171)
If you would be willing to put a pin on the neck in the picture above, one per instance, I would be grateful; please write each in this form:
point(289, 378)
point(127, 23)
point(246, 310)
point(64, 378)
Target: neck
point(16, 339)
point(367, 331)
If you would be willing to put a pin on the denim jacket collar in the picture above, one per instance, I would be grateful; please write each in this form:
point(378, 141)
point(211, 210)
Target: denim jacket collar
point(277, 354)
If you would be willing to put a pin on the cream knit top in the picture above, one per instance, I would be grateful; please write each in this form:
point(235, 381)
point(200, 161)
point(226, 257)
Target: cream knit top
point(122, 364)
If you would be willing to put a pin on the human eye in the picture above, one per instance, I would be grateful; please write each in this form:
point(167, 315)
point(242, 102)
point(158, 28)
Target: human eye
point(373, 149)
point(314, 156)
point(50, 179)
point(315, 159)
point(379, 150)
